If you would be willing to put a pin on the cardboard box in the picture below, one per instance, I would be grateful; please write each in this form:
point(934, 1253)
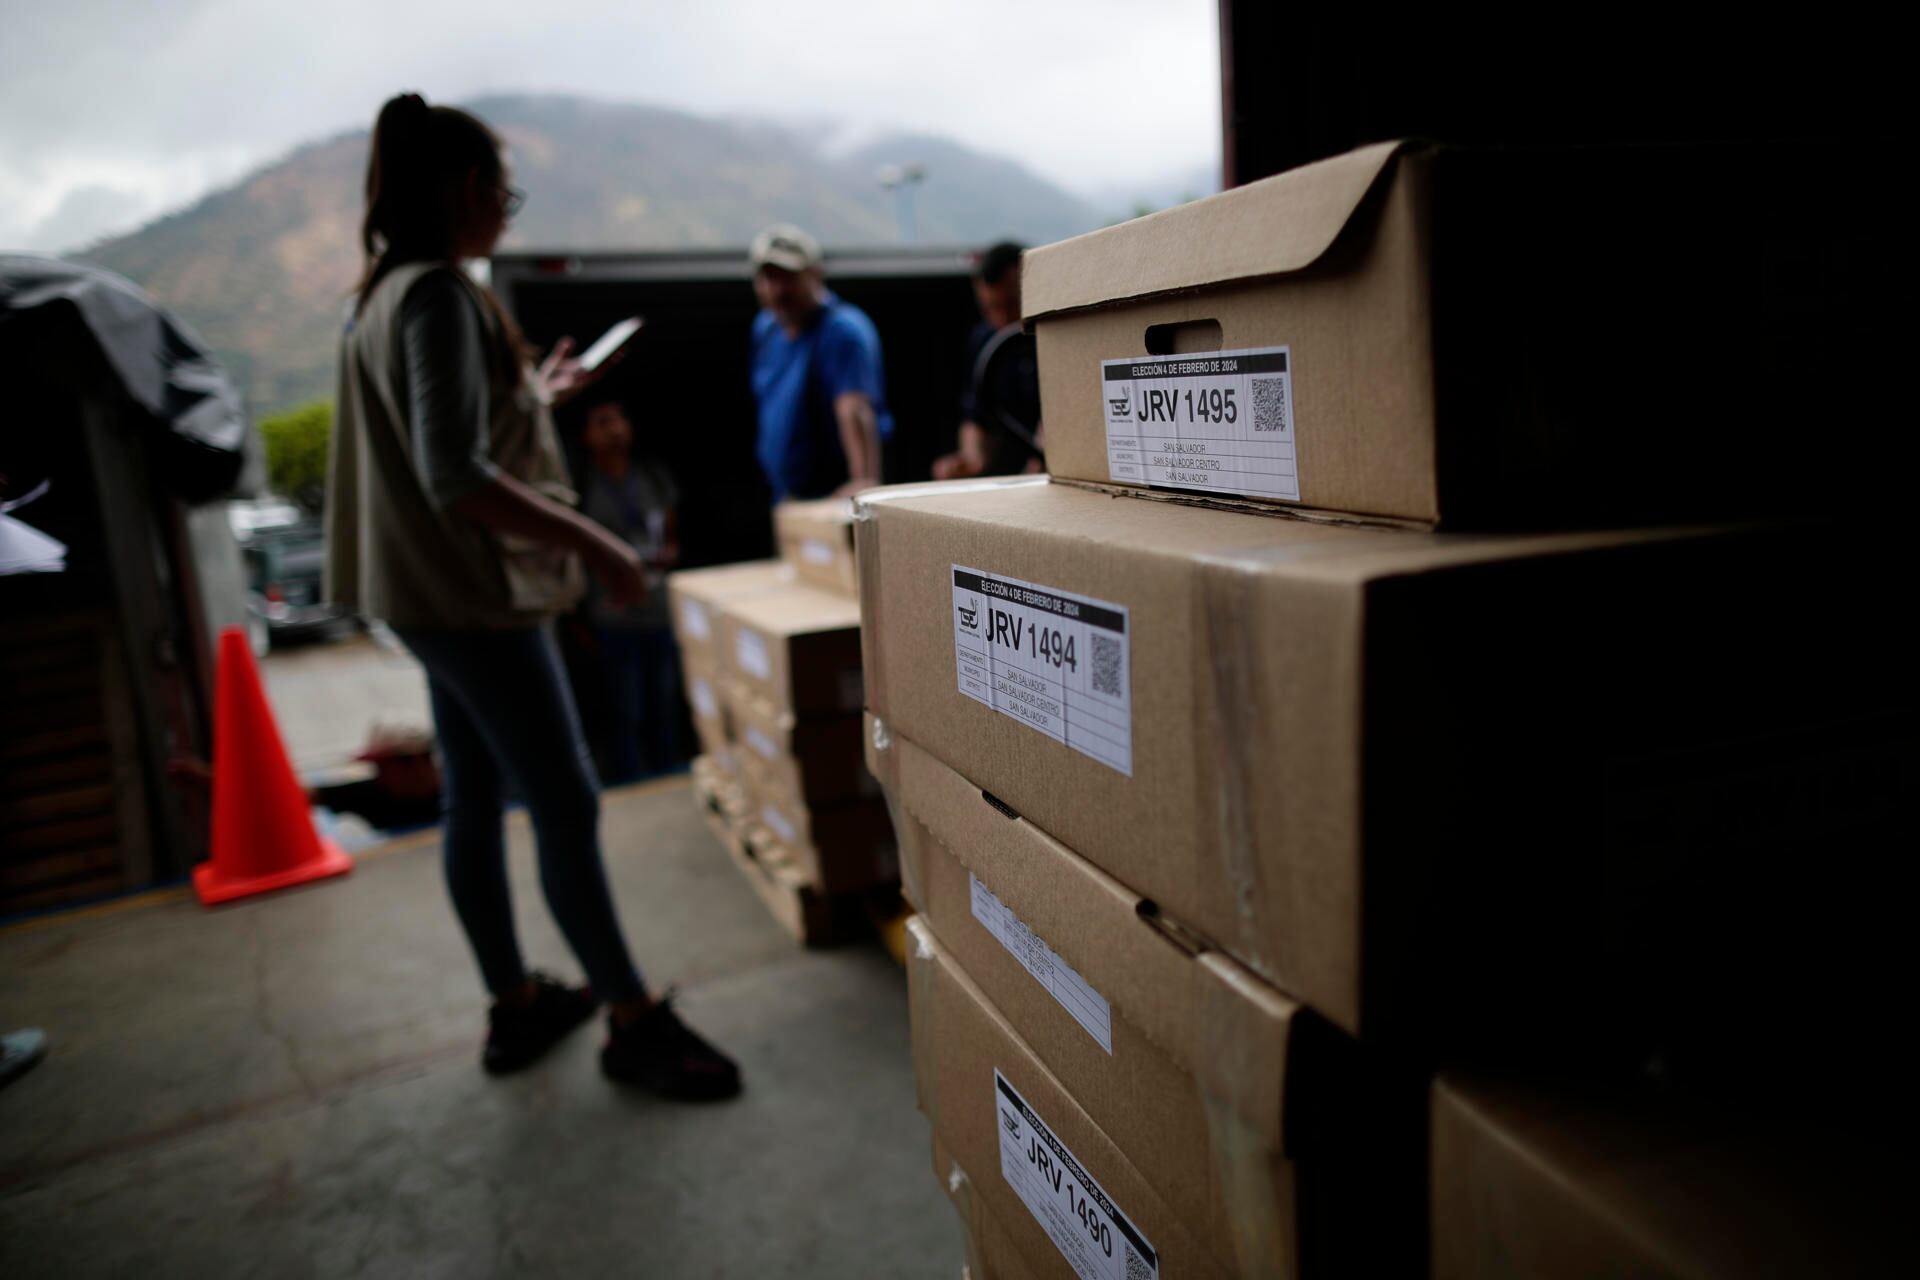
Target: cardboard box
point(1534, 1182)
point(695, 597)
point(1476, 337)
point(816, 538)
point(718, 791)
point(813, 918)
point(706, 699)
point(999, 1113)
point(817, 760)
point(841, 848)
point(991, 1253)
point(796, 648)
point(1376, 766)
point(1267, 1131)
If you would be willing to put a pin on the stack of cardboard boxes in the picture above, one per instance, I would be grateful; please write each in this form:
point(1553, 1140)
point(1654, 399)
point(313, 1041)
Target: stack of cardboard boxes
point(771, 652)
point(1288, 838)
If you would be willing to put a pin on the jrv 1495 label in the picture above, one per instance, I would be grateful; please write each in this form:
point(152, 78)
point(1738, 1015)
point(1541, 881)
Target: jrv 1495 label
point(1054, 661)
point(1095, 1238)
point(1220, 421)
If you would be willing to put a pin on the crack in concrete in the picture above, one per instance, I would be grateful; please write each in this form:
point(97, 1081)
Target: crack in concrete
point(506, 1259)
point(506, 1231)
point(365, 1251)
point(263, 1011)
point(19, 1177)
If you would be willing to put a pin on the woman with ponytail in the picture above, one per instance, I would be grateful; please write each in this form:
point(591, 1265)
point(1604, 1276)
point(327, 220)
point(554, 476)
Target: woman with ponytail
point(448, 516)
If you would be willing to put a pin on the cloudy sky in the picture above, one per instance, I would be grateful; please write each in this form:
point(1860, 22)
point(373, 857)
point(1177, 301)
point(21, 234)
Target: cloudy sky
point(114, 111)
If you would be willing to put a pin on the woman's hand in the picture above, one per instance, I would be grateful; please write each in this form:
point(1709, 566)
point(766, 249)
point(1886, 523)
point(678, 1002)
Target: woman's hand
point(956, 466)
point(516, 507)
point(565, 377)
point(620, 570)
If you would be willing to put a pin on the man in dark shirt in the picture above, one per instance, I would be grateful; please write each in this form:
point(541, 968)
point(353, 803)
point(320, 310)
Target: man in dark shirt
point(634, 498)
point(816, 375)
point(1000, 405)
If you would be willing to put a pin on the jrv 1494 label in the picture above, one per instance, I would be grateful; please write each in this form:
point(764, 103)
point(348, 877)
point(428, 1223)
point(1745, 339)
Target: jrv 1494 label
point(1054, 661)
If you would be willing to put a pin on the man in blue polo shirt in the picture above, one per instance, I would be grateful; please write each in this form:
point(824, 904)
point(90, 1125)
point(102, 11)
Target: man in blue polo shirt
point(816, 375)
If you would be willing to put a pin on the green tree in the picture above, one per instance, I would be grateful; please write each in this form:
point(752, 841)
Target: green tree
point(296, 443)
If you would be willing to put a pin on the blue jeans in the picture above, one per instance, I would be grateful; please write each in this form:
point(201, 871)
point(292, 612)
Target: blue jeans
point(503, 712)
point(643, 668)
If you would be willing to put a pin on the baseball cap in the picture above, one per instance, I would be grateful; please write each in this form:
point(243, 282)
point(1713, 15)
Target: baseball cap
point(784, 245)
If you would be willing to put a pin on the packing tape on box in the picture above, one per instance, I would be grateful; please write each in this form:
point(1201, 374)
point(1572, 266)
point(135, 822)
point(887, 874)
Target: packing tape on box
point(1225, 629)
point(960, 1191)
point(912, 857)
point(922, 1010)
point(1235, 783)
point(866, 553)
point(883, 764)
point(1256, 1183)
point(1244, 1027)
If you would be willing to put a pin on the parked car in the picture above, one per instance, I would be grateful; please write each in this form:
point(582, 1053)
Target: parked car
point(284, 551)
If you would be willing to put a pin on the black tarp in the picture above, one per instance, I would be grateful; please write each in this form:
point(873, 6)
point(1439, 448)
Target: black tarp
point(166, 373)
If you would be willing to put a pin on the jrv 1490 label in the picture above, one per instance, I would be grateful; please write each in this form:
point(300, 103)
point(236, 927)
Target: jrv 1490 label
point(1091, 1232)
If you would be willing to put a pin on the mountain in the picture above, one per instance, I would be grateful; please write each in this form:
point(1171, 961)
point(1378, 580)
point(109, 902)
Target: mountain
point(969, 198)
point(1119, 201)
point(261, 270)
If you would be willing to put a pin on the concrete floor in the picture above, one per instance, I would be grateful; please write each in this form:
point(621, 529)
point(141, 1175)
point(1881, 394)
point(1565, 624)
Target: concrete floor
point(329, 695)
point(290, 1087)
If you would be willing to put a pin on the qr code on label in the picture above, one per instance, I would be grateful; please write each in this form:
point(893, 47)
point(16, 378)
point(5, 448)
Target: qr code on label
point(1137, 1268)
point(1269, 404)
point(1106, 664)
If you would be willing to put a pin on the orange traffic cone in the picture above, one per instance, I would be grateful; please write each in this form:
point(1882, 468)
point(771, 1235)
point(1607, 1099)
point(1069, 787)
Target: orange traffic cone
point(263, 833)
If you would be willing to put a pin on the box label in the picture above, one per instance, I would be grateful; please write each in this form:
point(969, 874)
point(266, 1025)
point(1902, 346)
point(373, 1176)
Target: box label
point(750, 651)
point(1095, 1238)
point(693, 616)
point(1055, 662)
point(1219, 421)
point(1088, 1007)
point(779, 824)
point(814, 551)
point(704, 703)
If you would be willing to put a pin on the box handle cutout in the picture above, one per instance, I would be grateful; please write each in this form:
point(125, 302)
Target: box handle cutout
point(1169, 929)
point(1000, 806)
point(1183, 338)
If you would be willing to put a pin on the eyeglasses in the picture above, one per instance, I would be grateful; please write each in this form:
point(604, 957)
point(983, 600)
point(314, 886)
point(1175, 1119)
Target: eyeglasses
point(512, 200)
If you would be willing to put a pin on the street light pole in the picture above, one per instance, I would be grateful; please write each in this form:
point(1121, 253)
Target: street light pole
point(901, 179)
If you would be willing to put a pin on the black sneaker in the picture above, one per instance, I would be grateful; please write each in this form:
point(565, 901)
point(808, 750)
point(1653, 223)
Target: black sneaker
point(19, 1051)
point(518, 1036)
point(659, 1052)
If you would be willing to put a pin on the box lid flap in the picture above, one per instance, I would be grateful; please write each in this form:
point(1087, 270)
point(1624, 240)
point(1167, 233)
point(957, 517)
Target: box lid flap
point(794, 610)
point(1279, 224)
point(728, 581)
point(813, 512)
point(1219, 1021)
